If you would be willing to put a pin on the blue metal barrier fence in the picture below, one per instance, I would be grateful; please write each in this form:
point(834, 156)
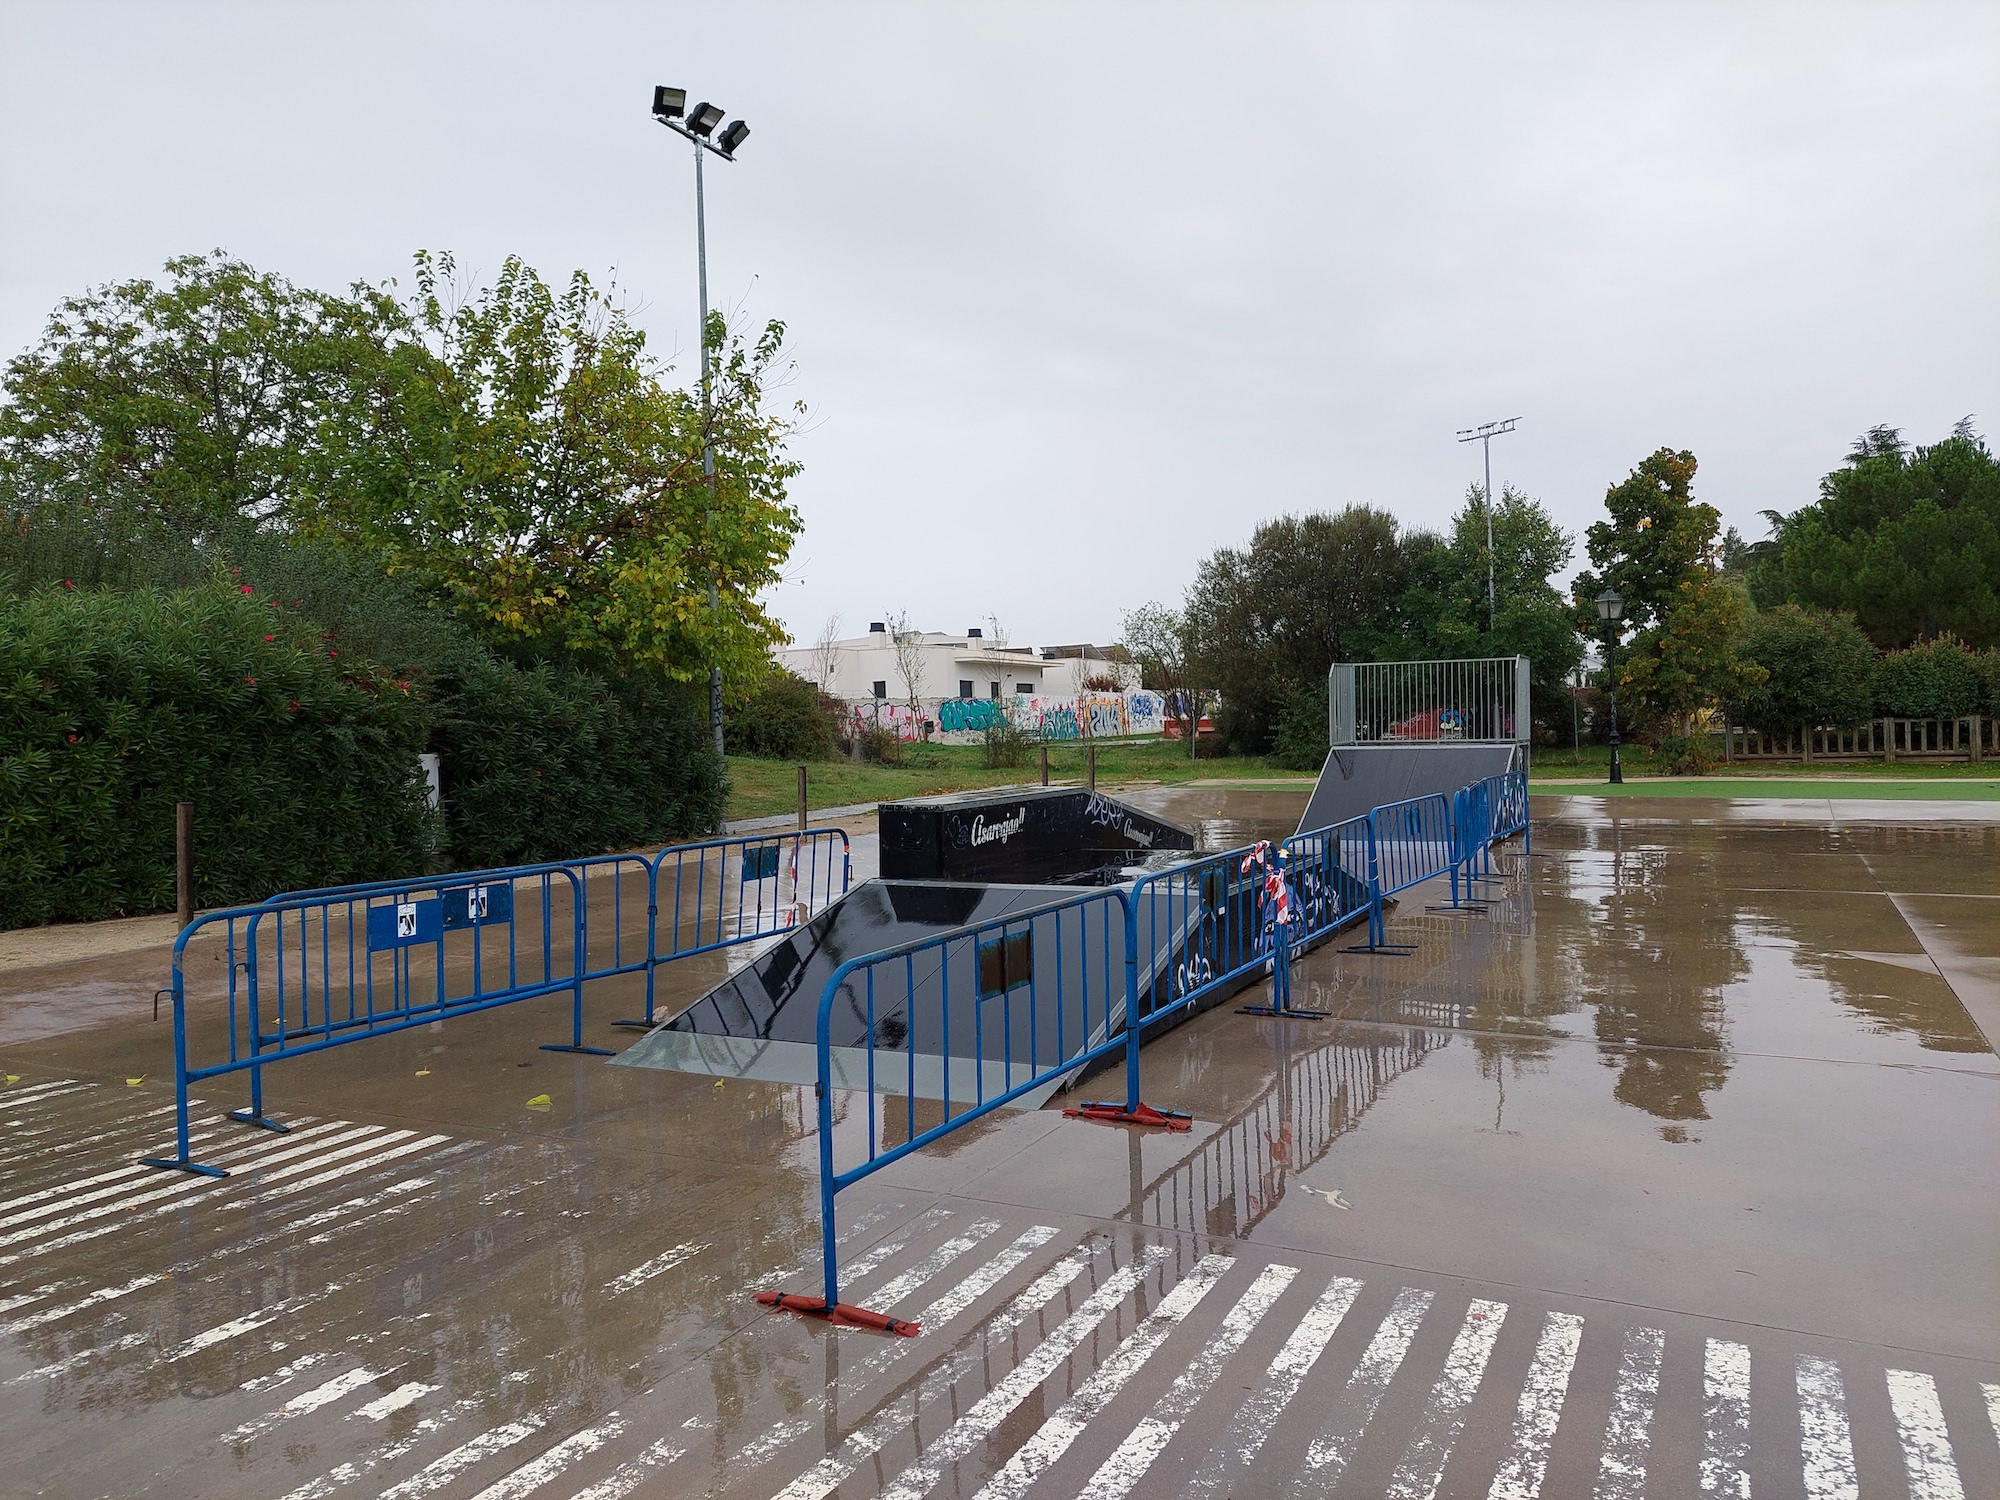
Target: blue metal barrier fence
point(304, 975)
point(308, 970)
point(1188, 933)
point(972, 1018)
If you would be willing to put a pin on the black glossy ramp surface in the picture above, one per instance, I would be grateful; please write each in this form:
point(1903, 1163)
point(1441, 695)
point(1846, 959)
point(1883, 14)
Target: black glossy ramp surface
point(1356, 779)
point(1035, 835)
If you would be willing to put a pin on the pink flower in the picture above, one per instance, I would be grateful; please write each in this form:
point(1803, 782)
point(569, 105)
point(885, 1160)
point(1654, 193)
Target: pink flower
point(244, 588)
point(251, 680)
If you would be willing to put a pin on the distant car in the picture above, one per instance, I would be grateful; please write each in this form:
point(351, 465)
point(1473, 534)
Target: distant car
point(1432, 724)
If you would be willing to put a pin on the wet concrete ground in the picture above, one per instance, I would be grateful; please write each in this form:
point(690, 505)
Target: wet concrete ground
point(1673, 1174)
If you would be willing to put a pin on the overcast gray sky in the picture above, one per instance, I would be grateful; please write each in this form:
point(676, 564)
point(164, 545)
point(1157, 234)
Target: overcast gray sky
point(1078, 293)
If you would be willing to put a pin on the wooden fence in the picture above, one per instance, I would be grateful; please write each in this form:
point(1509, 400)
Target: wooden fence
point(1971, 738)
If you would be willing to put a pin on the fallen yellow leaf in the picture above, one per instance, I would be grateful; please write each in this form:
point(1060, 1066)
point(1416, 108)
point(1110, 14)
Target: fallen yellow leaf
point(133, 1083)
point(423, 1072)
point(540, 1101)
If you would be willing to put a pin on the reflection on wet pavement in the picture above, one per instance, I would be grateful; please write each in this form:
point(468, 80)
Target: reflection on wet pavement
point(1671, 1174)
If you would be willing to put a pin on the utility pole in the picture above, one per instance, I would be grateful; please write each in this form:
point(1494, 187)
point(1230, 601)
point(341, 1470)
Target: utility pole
point(670, 109)
point(1484, 434)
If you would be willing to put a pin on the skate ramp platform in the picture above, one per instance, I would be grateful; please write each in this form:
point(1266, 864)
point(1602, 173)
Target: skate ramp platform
point(1034, 835)
point(1357, 779)
point(762, 1022)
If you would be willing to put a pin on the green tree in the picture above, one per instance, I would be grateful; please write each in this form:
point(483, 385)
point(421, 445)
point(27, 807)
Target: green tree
point(1938, 679)
point(1659, 550)
point(1156, 638)
point(1532, 618)
point(1819, 668)
point(515, 453)
point(191, 401)
point(1906, 539)
point(1657, 538)
point(1265, 622)
point(545, 479)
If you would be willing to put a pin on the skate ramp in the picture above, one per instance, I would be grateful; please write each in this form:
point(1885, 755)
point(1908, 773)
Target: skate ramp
point(1357, 779)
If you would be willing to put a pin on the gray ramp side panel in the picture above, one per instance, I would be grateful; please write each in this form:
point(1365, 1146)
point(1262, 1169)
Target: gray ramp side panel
point(1356, 779)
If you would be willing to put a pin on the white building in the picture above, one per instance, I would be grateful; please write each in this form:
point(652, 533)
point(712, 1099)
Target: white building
point(952, 686)
point(873, 666)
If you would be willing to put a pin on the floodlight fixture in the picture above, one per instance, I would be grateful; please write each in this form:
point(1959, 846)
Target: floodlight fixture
point(1483, 435)
point(733, 135)
point(703, 118)
point(1610, 606)
point(669, 104)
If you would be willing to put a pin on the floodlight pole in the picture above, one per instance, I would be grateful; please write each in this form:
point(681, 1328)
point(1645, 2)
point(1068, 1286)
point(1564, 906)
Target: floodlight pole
point(1484, 434)
point(669, 116)
point(707, 443)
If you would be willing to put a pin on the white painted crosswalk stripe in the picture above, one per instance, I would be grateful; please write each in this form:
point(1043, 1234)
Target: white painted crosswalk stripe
point(1992, 1393)
point(1288, 1370)
point(537, 1472)
point(1826, 1448)
point(436, 1475)
point(996, 1405)
point(1927, 1455)
point(1054, 1437)
point(1725, 1411)
point(1540, 1406)
point(1422, 1466)
point(895, 1290)
point(1128, 1464)
point(1621, 1468)
point(1330, 1452)
point(630, 1476)
point(323, 1394)
point(659, 1264)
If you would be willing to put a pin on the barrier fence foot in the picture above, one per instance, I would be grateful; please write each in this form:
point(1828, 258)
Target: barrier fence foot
point(841, 1314)
point(1385, 950)
point(175, 1164)
point(261, 1121)
point(586, 1051)
point(637, 1025)
point(1110, 1113)
point(1463, 909)
point(1284, 1012)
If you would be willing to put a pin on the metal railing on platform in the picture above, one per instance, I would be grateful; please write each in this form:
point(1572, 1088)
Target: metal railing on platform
point(959, 1025)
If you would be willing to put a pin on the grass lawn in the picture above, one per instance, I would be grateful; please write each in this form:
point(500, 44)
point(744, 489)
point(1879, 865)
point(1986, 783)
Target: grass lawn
point(765, 788)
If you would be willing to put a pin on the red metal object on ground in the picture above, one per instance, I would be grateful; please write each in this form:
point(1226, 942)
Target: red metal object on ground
point(1117, 1114)
point(841, 1314)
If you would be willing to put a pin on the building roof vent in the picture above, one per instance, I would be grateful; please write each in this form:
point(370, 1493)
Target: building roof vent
point(974, 633)
point(876, 627)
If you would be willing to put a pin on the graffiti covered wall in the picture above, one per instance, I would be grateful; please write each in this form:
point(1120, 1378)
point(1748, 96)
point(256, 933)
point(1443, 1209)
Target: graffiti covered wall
point(964, 721)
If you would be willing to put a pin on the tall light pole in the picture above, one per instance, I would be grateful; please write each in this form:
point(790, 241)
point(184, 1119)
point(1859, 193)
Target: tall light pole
point(670, 109)
point(1610, 605)
point(1484, 434)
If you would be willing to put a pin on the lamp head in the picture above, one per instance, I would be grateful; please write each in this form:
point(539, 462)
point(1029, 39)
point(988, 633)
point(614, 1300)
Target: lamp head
point(732, 136)
point(1610, 605)
point(669, 104)
point(703, 118)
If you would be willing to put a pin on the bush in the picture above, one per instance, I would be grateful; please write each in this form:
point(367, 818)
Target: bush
point(784, 718)
point(550, 762)
point(1939, 679)
point(115, 705)
point(1301, 739)
point(1820, 667)
point(880, 745)
point(1006, 746)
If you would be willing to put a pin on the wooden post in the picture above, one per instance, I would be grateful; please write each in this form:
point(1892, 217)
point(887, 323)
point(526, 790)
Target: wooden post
point(1978, 737)
point(1090, 763)
point(1045, 765)
point(184, 862)
point(1888, 739)
point(802, 799)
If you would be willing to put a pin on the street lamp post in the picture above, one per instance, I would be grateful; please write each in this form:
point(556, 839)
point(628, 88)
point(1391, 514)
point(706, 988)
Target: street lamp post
point(670, 109)
point(1610, 605)
point(1484, 434)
